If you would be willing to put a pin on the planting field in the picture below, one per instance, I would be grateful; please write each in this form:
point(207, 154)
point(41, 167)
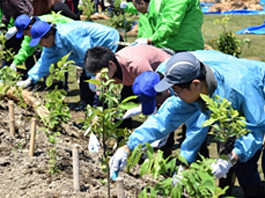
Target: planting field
point(23, 176)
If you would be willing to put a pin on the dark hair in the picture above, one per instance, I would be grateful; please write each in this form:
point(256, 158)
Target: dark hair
point(97, 58)
point(201, 77)
point(52, 31)
point(33, 19)
point(138, 1)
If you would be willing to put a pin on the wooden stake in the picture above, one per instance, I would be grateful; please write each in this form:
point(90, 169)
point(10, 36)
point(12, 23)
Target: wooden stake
point(76, 173)
point(120, 187)
point(11, 117)
point(32, 137)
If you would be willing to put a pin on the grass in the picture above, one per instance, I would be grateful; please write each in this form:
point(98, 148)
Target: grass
point(236, 23)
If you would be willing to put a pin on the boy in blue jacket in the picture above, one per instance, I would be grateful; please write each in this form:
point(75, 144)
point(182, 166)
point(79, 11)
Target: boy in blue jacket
point(75, 37)
point(188, 77)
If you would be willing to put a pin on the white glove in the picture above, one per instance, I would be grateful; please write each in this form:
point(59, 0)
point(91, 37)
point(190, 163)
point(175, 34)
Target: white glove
point(123, 4)
point(10, 33)
point(177, 177)
point(92, 86)
point(132, 112)
point(13, 66)
point(159, 143)
point(117, 162)
point(141, 41)
point(93, 144)
point(24, 83)
point(221, 168)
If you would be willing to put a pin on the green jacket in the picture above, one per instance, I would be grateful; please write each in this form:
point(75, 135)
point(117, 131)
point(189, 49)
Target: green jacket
point(174, 24)
point(27, 51)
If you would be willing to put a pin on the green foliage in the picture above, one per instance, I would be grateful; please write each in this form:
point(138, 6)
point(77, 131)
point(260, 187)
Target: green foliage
point(226, 121)
point(87, 7)
point(102, 120)
point(9, 79)
point(58, 109)
point(116, 4)
point(53, 166)
point(119, 21)
point(227, 41)
point(5, 54)
point(57, 72)
point(197, 180)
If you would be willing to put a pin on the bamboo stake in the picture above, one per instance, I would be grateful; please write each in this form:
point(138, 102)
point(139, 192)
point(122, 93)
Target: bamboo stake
point(32, 137)
point(11, 117)
point(76, 173)
point(120, 187)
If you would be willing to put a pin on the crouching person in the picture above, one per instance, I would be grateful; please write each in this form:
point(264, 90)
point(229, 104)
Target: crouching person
point(188, 77)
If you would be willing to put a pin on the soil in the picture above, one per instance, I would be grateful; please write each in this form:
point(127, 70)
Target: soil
point(29, 177)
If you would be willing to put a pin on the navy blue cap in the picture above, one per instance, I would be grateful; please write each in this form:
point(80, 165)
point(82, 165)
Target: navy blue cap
point(38, 30)
point(143, 87)
point(181, 68)
point(21, 23)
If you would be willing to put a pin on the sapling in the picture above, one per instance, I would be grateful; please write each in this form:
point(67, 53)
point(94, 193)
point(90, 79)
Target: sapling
point(227, 41)
point(58, 109)
point(227, 122)
point(104, 118)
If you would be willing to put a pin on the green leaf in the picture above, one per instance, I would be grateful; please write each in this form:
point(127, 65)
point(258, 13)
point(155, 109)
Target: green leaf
point(93, 81)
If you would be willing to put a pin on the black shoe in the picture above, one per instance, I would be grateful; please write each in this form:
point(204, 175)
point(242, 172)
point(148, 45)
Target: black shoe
point(81, 106)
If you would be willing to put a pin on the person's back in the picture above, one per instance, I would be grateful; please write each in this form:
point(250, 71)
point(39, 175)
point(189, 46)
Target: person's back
point(137, 59)
point(172, 24)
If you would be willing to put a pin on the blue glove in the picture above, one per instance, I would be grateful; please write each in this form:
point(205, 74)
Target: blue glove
point(221, 168)
point(123, 4)
point(117, 162)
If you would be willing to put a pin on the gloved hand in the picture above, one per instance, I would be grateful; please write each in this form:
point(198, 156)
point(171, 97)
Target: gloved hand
point(13, 66)
point(93, 144)
point(132, 112)
point(123, 4)
point(159, 143)
point(118, 161)
point(178, 176)
point(92, 86)
point(24, 83)
point(221, 168)
point(141, 41)
point(10, 33)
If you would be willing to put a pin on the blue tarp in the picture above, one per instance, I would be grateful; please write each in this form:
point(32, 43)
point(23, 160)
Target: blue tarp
point(253, 30)
point(250, 12)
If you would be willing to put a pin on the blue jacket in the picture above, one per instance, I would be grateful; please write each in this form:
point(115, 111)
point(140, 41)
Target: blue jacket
point(240, 81)
point(76, 37)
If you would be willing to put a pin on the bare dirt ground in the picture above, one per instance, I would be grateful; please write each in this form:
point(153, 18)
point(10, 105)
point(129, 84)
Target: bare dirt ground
point(29, 177)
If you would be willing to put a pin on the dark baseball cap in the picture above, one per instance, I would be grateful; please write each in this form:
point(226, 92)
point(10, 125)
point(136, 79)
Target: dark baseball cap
point(143, 87)
point(181, 68)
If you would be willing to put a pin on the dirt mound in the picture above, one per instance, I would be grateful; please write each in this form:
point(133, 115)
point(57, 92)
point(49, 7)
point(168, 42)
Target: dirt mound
point(225, 5)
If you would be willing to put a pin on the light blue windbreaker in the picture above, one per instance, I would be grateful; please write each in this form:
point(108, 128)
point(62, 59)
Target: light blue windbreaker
point(241, 81)
point(76, 37)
